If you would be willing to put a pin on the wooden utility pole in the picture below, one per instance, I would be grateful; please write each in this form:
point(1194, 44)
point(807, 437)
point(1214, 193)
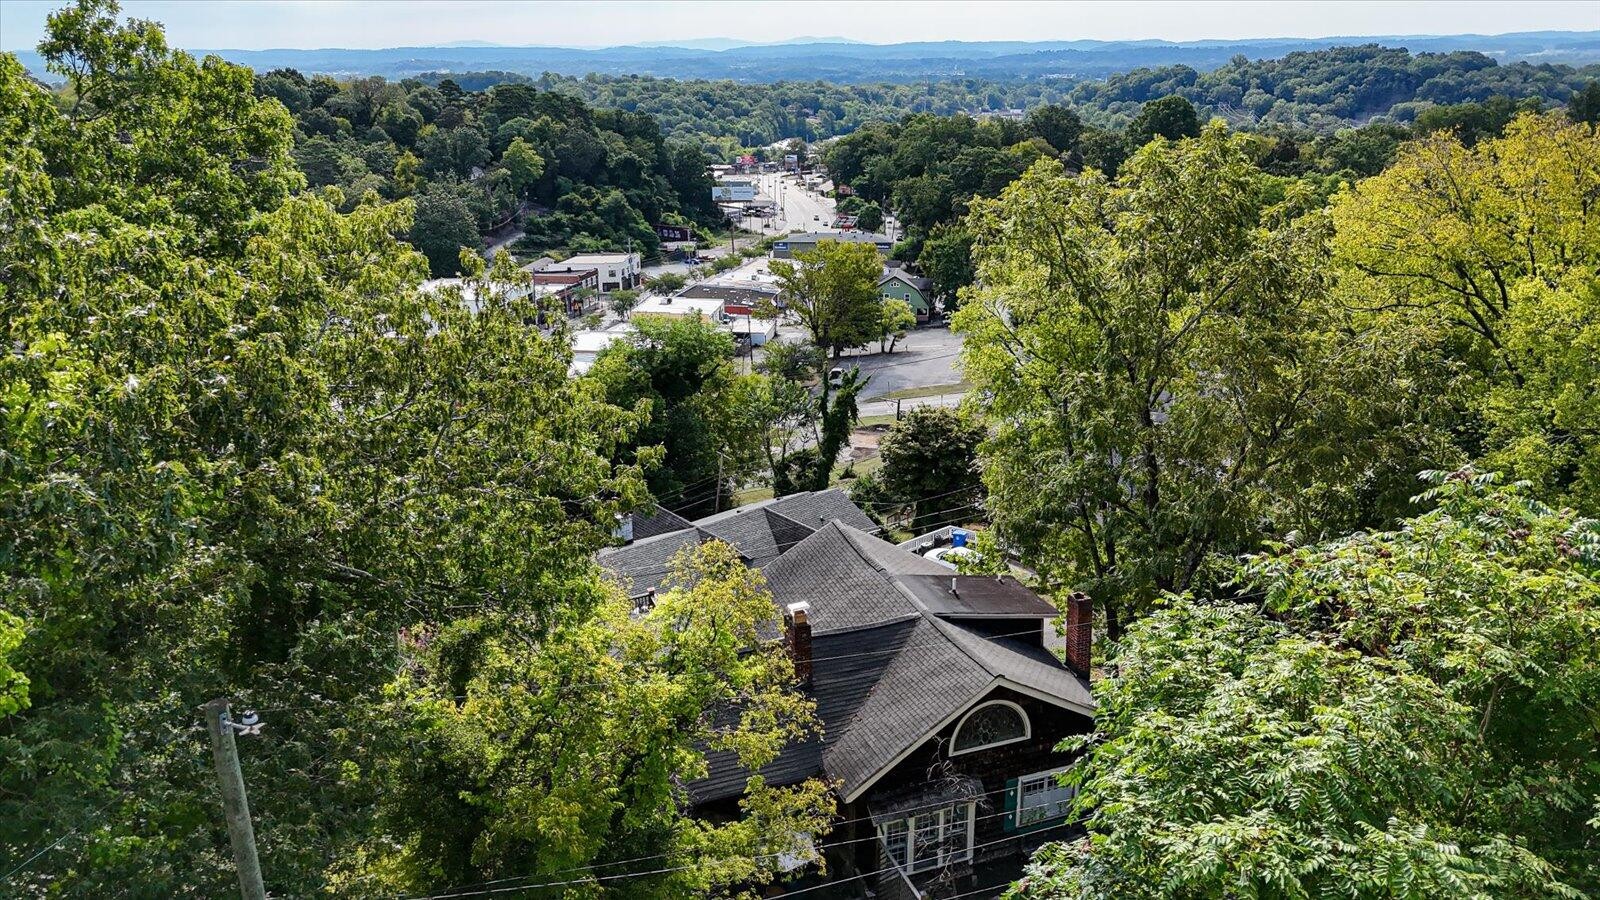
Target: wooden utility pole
point(716, 505)
point(235, 807)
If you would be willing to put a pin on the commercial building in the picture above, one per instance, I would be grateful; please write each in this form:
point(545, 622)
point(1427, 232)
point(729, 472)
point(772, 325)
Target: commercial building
point(616, 271)
point(793, 244)
point(586, 345)
point(678, 307)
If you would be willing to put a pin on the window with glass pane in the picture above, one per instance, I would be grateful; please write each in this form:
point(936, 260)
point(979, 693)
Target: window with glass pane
point(997, 723)
point(925, 841)
point(894, 842)
point(957, 833)
point(929, 840)
point(1041, 797)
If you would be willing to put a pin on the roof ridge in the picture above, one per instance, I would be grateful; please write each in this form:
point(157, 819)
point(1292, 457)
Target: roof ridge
point(942, 625)
point(772, 512)
point(654, 538)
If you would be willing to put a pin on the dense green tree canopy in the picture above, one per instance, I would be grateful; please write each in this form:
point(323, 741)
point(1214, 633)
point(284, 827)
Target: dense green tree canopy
point(246, 456)
point(1171, 117)
point(1164, 372)
point(679, 372)
point(1494, 250)
point(1409, 713)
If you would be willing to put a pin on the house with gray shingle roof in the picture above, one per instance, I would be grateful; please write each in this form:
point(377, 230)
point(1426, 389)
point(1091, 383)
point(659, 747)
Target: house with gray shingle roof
point(761, 532)
point(941, 702)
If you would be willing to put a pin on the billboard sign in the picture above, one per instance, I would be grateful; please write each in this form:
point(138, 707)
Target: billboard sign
point(674, 232)
point(733, 192)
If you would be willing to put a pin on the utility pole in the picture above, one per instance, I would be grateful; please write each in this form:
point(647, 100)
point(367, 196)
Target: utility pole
point(716, 505)
point(235, 807)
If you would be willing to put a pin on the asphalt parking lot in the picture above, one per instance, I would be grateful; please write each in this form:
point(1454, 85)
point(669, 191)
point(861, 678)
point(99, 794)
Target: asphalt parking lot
point(925, 358)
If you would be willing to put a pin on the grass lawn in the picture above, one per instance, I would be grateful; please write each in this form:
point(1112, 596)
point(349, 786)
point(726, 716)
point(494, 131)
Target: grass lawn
point(932, 390)
point(862, 467)
point(752, 495)
point(869, 421)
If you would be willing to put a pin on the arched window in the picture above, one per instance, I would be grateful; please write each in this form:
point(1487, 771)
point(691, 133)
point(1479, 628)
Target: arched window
point(990, 725)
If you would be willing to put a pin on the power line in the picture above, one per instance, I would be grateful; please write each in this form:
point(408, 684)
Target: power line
point(911, 645)
point(506, 887)
point(907, 812)
point(62, 839)
point(86, 821)
point(782, 546)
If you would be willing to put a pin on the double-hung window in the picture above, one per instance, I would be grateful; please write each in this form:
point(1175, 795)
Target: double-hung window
point(929, 840)
point(1041, 797)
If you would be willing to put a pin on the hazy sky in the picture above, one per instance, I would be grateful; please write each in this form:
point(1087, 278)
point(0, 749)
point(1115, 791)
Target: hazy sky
point(260, 24)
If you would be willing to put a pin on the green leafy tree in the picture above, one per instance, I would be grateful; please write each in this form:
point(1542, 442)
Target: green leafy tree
point(1103, 150)
point(833, 291)
point(13, 683)
point(869, 217)
point(895, 320)
point(525, 165)
point(1403, 713)
point(452, 151)
point(1170, 117)
point(1584, 105)
point(444, 224)
point(1492, 251)
point(946, 259)
point(1165, 374)
point(243, 452)
point(1058, 125)
point(667, 283)
point(774, 412)
point(574, 751)
point(400, 123)
point(623, 301)
point(679, 372)
point(930, 465)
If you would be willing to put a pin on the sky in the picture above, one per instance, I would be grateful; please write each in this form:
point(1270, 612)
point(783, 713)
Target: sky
point(306, 24)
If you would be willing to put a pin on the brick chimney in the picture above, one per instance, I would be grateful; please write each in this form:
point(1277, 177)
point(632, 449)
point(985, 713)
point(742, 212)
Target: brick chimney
point(1080, 632)
point(798, 637)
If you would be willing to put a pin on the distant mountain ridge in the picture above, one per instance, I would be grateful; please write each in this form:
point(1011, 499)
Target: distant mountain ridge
point(850, 62)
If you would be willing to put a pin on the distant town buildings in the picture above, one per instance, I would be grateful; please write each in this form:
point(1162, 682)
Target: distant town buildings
point(804, 243)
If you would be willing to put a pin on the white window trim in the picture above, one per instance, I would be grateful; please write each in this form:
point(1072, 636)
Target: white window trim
point(1016, 814)
point(943, 859)
point(955, 736)
point(1085, 709)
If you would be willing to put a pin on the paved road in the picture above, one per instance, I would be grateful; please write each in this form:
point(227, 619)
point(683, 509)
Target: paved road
point(798, 210)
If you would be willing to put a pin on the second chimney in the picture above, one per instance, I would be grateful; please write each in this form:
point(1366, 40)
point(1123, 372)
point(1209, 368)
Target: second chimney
point(797, 620)
point(1080, 632)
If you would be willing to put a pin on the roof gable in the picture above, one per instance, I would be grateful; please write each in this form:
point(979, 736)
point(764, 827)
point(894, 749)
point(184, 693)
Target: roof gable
point(938, 664)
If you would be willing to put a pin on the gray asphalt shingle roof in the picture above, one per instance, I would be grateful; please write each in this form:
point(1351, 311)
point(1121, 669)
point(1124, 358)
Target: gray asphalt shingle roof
point(761, 532)
point(641, 567)
point(657, 521)
point(917, 281)
point(915, 668)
